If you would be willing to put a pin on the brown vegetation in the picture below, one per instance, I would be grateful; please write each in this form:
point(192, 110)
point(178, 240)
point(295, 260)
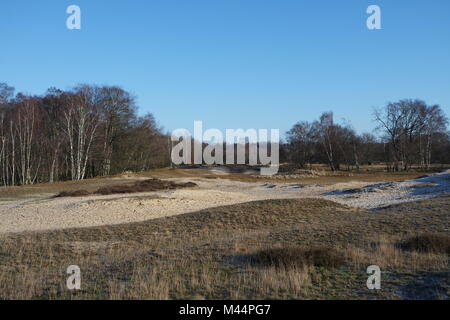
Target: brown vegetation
point(295, 257)
point(429, 242)
point(198, 255)
point(138, 186)
point(76, 193)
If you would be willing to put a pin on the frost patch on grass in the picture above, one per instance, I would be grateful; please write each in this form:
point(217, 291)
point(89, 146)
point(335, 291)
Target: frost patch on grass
point(386, 194)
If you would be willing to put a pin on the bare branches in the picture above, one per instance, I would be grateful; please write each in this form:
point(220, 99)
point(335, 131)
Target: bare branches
point(406, 124)
point(84, 132)
point(410, 131)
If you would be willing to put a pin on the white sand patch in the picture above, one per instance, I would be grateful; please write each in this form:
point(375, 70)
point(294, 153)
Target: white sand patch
point(46, 213)
point(386, 194)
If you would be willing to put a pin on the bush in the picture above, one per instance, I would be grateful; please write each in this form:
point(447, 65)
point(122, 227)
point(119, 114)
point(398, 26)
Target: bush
point(76, 193)
point(428, 242)
point(139, 186)
point(144, 186)
point(293, 257)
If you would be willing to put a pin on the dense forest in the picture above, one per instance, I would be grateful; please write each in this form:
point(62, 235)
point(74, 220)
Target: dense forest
point(84, 132)
point(91, 131)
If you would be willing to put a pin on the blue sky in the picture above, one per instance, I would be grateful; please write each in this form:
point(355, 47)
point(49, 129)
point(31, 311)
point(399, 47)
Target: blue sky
point(235, 63)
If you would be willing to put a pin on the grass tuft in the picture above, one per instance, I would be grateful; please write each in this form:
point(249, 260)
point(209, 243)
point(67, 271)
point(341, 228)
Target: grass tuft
point(297, 257)
point(427, 242)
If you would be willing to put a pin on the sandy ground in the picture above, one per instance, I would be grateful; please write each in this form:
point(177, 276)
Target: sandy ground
point(43, 212)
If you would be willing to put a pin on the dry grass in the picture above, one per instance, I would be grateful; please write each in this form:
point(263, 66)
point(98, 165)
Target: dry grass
point(386, 254)
point(199, 255)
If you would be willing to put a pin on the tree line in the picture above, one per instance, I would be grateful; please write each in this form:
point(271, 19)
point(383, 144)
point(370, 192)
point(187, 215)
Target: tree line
point(84, 132)
point(91, 131)
point(409, 132)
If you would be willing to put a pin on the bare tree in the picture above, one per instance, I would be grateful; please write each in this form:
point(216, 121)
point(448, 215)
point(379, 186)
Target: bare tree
point(326, 133)
point(25, 118)
point(301, 143)
point(81, 122)
point(404, 123)
point(435, 122)
point(6, 93)
point(117, 111)
point(53, 106)
point(389, 122)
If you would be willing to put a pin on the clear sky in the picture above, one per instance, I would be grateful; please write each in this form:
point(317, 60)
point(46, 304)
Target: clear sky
point(234, 63)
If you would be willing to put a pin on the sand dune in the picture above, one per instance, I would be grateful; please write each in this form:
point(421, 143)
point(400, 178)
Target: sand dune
point(45, 212)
